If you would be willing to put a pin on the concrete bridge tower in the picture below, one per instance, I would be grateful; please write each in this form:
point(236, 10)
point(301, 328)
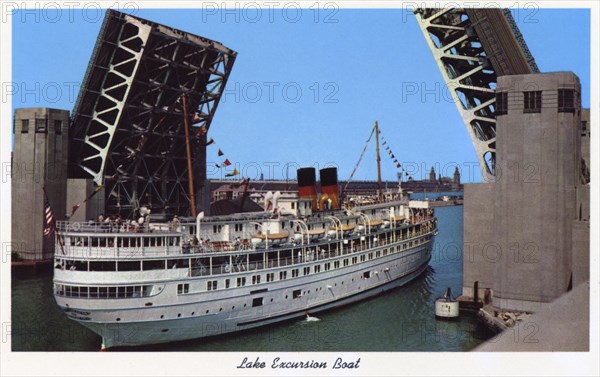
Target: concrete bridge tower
point(39, 161)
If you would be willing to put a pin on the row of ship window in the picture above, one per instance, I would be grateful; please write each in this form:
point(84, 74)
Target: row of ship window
point(240, 227)
point(122, 242)
point(132, 291)
point(148, 265)
point(140, 291)
point(212, 285)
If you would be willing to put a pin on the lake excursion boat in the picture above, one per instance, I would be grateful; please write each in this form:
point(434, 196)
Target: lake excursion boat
point(204, 276)
point(157, 284)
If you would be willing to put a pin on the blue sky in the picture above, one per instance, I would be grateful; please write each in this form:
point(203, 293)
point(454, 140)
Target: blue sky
point(307, 86)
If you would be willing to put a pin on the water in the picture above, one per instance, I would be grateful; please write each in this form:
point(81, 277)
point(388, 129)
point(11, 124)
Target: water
point(400, 320)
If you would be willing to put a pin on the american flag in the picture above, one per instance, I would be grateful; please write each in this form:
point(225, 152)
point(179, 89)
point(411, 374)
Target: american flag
point(49, 227)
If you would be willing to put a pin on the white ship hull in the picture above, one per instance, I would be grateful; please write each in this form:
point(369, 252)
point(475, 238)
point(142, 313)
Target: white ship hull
point(143, 332)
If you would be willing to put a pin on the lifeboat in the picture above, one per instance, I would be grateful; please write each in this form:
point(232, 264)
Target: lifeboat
point(375, 224)
point(313, 235)
point(273, 238)
point(399, 218)
point(345, 229)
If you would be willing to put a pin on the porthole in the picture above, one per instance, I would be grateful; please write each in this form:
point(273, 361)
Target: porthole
point(244, 305)
point(271, 300)
point(162, 316)
point(118, 319)
point(193, 313)
point(220, 309)
point(286, 297)
point(178, 315)
point(207, 312)
point(233, 307)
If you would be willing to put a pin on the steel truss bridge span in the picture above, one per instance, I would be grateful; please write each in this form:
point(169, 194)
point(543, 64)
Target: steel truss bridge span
point(472, 47)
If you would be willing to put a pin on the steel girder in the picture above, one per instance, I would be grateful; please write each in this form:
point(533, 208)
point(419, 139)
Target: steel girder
point(472, 47)
point(127, 130)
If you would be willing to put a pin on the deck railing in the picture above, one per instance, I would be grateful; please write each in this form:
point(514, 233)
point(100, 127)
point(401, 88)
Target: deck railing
point(113, 227)
point(111, 246)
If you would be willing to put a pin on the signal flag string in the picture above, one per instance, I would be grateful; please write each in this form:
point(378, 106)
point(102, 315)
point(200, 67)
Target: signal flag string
point(392, 155)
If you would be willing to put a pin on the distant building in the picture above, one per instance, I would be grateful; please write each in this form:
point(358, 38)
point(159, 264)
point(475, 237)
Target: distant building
point(456, 180)
point(229, 191)
point(432, 175)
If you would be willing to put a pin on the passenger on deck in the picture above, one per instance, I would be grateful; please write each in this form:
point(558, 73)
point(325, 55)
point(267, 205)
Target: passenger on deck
point(106, 224)
point(175, 223)
point(118, 224)
point(185, 247)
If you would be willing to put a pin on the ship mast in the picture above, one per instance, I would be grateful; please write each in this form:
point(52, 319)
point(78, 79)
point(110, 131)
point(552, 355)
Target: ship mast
point(189, 157)
point(379, 192)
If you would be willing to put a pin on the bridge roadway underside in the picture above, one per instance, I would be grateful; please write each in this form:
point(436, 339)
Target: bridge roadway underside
point(128, 123)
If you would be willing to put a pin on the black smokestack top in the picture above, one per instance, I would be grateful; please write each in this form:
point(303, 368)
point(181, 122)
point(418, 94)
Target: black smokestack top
point(307, 177)
point(329, 177)
point(307, 185)
point(329, 188)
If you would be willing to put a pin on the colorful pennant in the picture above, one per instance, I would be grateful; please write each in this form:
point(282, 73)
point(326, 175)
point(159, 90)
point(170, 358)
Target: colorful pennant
point(233, 174)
